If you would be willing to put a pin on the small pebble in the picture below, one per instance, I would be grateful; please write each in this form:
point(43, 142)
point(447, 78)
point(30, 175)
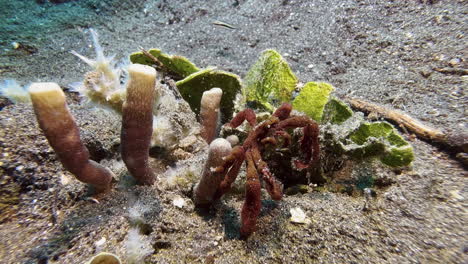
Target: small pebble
point(454, 62)
point(64, 179)
point(425, 73)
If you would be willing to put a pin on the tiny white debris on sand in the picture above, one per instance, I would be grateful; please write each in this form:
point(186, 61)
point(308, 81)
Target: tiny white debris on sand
point(178, 202)
point(100, 243)
point(456, 195)
point(137, 247)
point(298, 216)
point(64, 179)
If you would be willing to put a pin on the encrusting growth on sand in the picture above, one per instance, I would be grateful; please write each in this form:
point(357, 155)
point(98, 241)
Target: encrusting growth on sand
point(63, 135)
point(137, 122)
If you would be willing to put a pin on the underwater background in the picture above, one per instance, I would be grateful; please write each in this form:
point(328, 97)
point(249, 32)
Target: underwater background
point(404, 55)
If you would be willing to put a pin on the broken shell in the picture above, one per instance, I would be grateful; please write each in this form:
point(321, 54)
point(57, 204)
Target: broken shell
point(298, 216)
point(178, 202)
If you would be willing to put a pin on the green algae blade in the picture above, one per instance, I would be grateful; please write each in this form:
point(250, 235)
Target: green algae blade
point(398, 156)
point(371, 130)
point(312, 99)
point(336, 112)
point(381, 139)
point(176, 64)
point(192, 88)
point(270, 81)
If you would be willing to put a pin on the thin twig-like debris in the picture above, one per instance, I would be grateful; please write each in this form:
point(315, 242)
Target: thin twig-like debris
point(453, 142)
point(153, 58)
point(159, 66)
point(403, 120)
point(452, 71)
point(222, 24)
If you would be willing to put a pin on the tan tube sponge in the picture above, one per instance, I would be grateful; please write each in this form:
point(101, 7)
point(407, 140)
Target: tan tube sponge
point(63, 135)
point(210, 113)
point(204, 191)
point(137, 122)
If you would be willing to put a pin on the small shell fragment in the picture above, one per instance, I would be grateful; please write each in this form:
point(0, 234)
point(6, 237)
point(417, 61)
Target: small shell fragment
point(298, 216)
point(100, 242)
point(178, 202)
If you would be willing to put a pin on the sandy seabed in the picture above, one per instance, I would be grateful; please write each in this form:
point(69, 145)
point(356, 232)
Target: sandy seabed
point(381, 51)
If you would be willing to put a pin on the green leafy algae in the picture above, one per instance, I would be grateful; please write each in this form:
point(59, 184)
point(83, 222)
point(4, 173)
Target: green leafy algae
point(270, 81)
point(369, 130)
point(381, 139)
point(336, 112)
point(176, 64)
point(192, 88)
point(312, 99)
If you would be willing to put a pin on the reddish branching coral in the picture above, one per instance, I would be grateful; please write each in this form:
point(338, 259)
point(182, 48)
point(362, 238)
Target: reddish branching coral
point(268, 132)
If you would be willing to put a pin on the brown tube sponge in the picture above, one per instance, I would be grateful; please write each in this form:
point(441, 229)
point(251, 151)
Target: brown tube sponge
point(205, 190)
point(209, 113)
point(137, 122)
point(63, 135)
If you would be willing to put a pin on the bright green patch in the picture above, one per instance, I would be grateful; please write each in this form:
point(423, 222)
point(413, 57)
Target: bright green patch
point(336, 112)
point(270, 81)
point(312, 99)
point(397, 157)
point(381, 139)
point(368, 130)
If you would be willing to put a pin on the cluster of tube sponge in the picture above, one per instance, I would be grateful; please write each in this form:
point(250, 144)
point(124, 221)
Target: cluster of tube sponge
point(62, 133)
